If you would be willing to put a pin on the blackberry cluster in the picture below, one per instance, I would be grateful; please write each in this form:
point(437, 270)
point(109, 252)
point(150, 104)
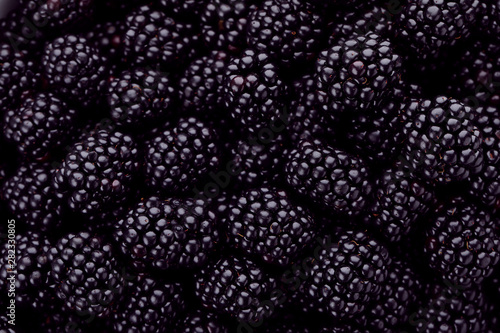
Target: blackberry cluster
point(250, 165)
point(167, 234)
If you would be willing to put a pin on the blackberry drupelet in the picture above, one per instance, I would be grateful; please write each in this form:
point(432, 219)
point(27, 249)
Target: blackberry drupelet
point(167, 234)
point(96, 175)
point(486, 184)
point(399, 296)
point(40, 125)
point(476, 75)
point(149, 305)
point(32, 266)
point(141, 97)
point(428, 27)
point(358, 73)
point(442, 144)
point(57, 14)
point(290, 31)
point(200, 87)
point(399, 201)
point(17, 74)
point(328, 176)
point(154, 39)
point(463, 243)
point(75, 69)
point(264, 222)
point(180, 156)
point(347, 274)
point(237, 287)
point(31, 198)
point(86, 274)
point(450, 308)
point(307, 109)
point(257, 162)
point(201, 321)
point(254, 92)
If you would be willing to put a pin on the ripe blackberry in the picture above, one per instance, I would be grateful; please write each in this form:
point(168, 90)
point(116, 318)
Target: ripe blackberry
point(201, 321)
point(75, 69)
point(428, 27)
point(152, 39)
point(256, 162)
point(399, 295)
point(86, 274)
point(200, 87)
point(463, 243)
point(30, 197)
point(358, 73)
point(58, 14)
point(31, 264)
point(265, 223)
point(254, 92)
point(16, 75)
point(307, 109)
point(224, 24)
point(476, 75)
point(486, 184)
point(40, 124)
point(237, 287)
point(108, 37)
point(450, 308)
point(442, 143)
point(329, 177)
point(17, 30)
point(96, 174)
point(165, 234)
point(490, 24)
point(290, 31)
point(55, 318)
point(148, 305)
point(347, 274)
point(140, 97)
point(181, 156)
point(399, 201)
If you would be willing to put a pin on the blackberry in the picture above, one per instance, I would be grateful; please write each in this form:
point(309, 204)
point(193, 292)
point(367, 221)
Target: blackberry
point(201, 321)
point(55, 318)
point(96, 174)
point(264, 222)
point(256, 162)
point(184, 8)
point(490, 25)
point(237, 287)
point(31, 199)
point(442, 143)
point(254, 92)
point(463, 243)
point(200, 87)
point(307, 109)
point(400, 293)
point(180, 156)
point(41, 123)
point(86, 274)
point(31, 265)
point(58, 14)
point(486, 185)
point(428, 27)
point(347, 274)
point(16, 75)
point(224, 24)
point(450, 308)
point(19, 32)
point(476, 75)
point(140, 97)
point(399, 201)
point(149, 305)
point(358, 73)
point(165, 234)
point(107, 37)
point(328, 176)
point(288, 30)
point(152, 39)
point(75, 69)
